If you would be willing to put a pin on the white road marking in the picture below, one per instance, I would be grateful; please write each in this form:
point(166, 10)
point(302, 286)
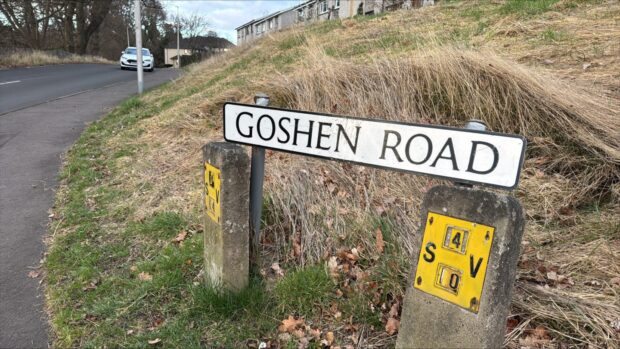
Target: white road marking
point(10, 82)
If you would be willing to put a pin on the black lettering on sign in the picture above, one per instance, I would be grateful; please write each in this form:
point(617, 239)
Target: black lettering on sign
point(473, 271)
point(450, 157)
point(392, 147)
point(322, 135)
point(283, 129)
point(211, 180)
point(429, 149)
point(431, 257)
point(454, 281)
point(259, 128)
point(217, 196)
point(456, 240)
point(249, 134)
point(297, 131)
point(470, 167)
point(346, 137)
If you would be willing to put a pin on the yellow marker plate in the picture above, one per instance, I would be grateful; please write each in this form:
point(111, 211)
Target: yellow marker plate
point(212, 192)
point(453, 260)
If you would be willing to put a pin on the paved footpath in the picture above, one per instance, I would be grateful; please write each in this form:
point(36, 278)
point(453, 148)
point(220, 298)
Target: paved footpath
point(32, 141)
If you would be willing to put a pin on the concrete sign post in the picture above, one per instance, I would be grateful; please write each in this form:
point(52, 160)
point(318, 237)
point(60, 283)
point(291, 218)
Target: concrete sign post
point(226, 235)
point(460, 287)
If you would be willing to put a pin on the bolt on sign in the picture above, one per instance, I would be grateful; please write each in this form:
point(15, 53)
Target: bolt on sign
point(453, 261)
point(469, 156)
point(212, 192)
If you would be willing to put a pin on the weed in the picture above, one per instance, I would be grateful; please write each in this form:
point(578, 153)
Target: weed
point(551, 36)
point(304, 291)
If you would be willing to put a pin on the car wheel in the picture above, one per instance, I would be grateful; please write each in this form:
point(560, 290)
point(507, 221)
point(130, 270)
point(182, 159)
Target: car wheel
point(122, 68)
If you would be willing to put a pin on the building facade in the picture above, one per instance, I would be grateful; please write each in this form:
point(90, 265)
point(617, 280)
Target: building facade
point(319, 10)
point(203, 45)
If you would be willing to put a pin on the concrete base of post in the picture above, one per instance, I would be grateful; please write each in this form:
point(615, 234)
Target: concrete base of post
point(227, 231)
point(428, 321)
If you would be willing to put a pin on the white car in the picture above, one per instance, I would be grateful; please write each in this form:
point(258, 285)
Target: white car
point(129, 59)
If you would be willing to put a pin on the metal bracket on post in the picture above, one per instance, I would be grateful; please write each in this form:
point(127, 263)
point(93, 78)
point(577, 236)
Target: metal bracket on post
point(478, 125)
point(257, 176)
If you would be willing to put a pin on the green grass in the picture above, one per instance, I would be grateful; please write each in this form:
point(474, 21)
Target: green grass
point(550, 36)
point(526, 8)
point(305, 291)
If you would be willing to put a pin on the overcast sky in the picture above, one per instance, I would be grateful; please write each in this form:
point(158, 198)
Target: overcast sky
point(226, 15)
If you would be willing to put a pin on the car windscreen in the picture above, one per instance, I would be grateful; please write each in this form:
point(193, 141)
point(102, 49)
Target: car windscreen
point(132, 51)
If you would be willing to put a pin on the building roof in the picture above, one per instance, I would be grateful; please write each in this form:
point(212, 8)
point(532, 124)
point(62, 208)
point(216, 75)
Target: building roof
point(260, 19)
point(201, 42)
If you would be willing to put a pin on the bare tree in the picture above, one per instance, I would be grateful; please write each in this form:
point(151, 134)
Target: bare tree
point(193, 26)
point(30, 20)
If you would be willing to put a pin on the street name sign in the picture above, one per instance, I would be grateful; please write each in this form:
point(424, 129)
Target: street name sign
point(468, 156)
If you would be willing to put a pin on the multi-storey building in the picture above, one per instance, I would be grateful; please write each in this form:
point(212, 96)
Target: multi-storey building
point(319, 10)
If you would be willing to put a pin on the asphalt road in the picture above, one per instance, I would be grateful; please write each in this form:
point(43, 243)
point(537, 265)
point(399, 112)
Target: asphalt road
point(24, 87)
point(36, 128)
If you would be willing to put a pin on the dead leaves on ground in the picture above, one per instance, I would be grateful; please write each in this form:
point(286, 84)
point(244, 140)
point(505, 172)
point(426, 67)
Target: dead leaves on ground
point(180, 237)
point(296, 328)
point(144, 276)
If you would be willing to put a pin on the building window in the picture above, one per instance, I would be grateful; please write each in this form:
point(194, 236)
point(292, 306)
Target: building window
point(337, 4)
point(271, 24)
point(323, 6)
point(300, 13)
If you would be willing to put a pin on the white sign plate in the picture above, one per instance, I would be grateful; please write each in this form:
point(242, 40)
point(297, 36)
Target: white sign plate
point(457, 154)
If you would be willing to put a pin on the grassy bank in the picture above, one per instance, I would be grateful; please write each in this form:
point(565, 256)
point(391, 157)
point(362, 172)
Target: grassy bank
point(36, 57)
point(123, 267)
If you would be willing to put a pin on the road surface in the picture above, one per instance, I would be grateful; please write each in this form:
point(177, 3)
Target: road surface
point(43, 110)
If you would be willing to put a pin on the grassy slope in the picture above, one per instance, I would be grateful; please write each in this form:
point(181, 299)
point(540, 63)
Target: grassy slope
point(131, 184)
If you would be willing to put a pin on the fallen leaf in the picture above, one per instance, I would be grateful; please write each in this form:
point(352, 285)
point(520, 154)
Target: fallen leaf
point(615, 281)
point(144, 276)
point(180, 237)
point(297, 246)
point(332, 264)
point(392, 326)
point(133, 268)
point(552, 275)
point(284, 337)
point(290, 324)
point(303, 343)
point(586, 66)
point(337, 315)
point(33, 274)
point(379, 243)
point(315, 333)
point(154, 341)
point(541, 332)
point(329, 337)
point(299, 333)
point(129, 332)
point(394, 310)
point(511, 324)
point(277, 270)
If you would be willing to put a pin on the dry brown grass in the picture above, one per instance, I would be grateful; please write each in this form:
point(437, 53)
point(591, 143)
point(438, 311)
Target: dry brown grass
point(569, 188)
point(35, 57)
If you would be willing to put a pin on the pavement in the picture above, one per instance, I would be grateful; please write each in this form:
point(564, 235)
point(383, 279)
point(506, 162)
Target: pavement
point(41, 116)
